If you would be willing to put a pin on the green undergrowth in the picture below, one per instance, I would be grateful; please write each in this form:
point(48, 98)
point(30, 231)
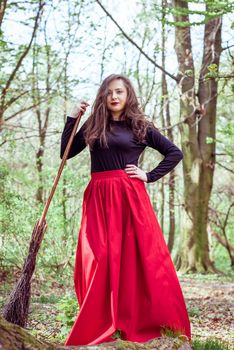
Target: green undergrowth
point(68, 310)
point(193, 311)
point(210, 344)
point(177, 343)
point(45, 299)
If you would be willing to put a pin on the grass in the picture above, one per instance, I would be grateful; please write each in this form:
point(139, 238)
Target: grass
point(210, 344)
point(197, 344)
point(193, 311)
point(45, 299)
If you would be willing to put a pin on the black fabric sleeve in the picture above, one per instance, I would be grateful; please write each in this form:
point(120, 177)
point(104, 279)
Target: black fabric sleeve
point(78, 143)
point(171, 152)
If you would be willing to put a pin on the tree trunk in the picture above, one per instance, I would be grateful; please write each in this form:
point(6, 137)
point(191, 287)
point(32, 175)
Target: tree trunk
point(3, 4)
point(162, 203)
point(198, 162)
point(163, 109)
point(207, 96)
point(64, 180)
point(166, 118)
point(42, 124)
point(185, 259)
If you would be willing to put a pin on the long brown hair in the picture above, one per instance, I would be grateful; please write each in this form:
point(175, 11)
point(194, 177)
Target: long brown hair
point(98, 124)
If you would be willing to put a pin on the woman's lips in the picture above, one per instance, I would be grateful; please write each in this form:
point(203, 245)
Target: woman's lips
point(115, 103)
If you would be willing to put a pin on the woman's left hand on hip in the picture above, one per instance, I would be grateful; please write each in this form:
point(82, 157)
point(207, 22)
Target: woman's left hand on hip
point(135, 172)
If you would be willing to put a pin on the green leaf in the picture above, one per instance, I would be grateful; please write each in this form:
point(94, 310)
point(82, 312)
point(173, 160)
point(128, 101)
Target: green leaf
point(209, 140)
point(117, 334)
point(213, 67)
point(188, 73)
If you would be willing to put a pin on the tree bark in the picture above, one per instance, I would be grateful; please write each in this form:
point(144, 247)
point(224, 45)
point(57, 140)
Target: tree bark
point(64, 180)
point(166, 119)
point(185, 259)
point(207, 96)
point(198, 162)
point(42, 122)
point(3, 4)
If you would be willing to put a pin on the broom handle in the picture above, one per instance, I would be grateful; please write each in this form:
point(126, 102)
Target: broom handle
point(56, 180)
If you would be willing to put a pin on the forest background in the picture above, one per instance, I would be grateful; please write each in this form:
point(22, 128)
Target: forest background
point(179, 57)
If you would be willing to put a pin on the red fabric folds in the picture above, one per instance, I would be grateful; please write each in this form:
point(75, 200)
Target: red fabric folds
point(124, 276)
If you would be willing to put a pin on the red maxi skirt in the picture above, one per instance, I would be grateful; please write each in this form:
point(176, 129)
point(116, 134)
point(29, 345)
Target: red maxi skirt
point(124, 276)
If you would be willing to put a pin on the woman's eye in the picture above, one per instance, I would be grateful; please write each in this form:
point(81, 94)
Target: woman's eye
point(117, 92)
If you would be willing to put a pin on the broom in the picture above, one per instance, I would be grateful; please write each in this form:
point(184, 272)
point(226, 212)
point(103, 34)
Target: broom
point(17, 307)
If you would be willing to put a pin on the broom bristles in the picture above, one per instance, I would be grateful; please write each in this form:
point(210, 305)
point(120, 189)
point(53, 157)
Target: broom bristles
point(17, 308)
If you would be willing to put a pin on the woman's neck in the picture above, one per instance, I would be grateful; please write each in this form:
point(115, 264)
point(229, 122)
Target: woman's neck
point(116, 116)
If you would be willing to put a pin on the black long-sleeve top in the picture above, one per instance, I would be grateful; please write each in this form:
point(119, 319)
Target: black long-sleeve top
point(123, 149)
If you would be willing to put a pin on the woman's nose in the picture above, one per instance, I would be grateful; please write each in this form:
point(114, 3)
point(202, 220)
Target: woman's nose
point(114, 95)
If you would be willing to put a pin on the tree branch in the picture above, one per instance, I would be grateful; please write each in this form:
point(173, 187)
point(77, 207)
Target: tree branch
point(135, 44)
point(27, 137)
point(25, 109)
point(3, 4)
point(23, 55)
point(224, 167)
point(222, 241)
point(14, 99)
point(227, 47)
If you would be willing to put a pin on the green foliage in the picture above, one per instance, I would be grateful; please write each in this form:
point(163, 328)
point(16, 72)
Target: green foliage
point(168, 332)
point(228, 142)
point(209, 344)
point(211, 10)
point(213, 67)
point(209, 140)
point(117, 334)
point(15, 217)
point(44, 299)
point(69, 309)
point(194, 311)
point(189, 73)
point(19, 211)
point(212, 71)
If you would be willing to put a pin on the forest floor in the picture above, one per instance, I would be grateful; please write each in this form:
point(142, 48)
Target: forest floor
point(209, 300)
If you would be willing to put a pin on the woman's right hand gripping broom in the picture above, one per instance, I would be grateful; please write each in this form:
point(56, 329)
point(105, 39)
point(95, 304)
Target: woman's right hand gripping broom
point(81, 107)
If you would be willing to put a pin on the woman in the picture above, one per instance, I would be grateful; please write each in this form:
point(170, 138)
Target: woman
point(124, 277)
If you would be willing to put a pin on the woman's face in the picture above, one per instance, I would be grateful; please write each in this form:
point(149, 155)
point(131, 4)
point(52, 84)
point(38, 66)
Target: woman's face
point(117, 97)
